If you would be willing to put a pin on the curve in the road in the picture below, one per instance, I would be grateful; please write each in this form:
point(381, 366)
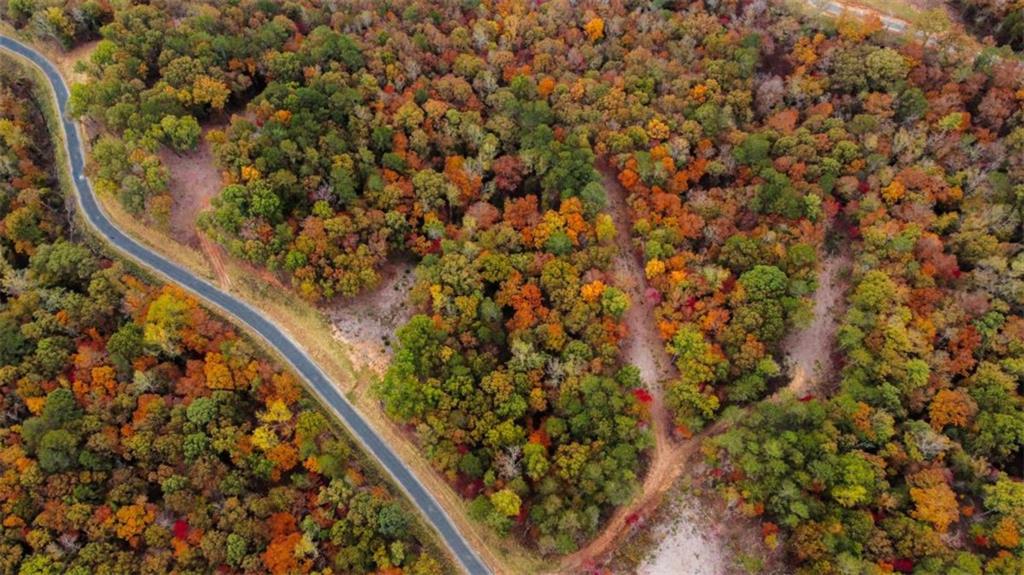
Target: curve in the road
point(275, 336)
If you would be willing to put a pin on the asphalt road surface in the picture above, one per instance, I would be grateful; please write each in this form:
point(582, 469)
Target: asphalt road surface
point(837, 8)
point(318, 381)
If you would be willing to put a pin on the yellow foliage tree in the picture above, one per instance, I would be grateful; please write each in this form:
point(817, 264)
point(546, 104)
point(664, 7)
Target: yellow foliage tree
point(604, 228)
point(594, 29)
point(104, 377)
point(131, 520)
point(893, 192)
point(657, 129)
point(207, 90)
point(935, 504)
point(592, 291)
point(951, 407)
point(1006, 533)
point(165, 318)
point(250, 173)
point(654, 268)
point(276, 412)
point(218, 375)
point(264, 438)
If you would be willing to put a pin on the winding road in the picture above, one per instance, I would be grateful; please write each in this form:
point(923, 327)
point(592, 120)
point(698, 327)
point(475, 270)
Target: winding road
point(314, 376)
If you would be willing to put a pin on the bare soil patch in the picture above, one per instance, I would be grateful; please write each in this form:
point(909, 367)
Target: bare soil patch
point(809, 350)
point(194, 181)
point(367, 323)
point(689, 542)
point(695, 531)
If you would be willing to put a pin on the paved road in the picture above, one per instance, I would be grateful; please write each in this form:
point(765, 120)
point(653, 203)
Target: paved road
point(296, 356)
point(837, 8)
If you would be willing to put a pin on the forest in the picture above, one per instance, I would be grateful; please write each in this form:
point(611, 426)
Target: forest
point(140, 433)
point(753, 142)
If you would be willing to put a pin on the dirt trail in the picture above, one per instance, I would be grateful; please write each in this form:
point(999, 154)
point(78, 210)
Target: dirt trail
point(809, 350)
point(809, 353)
point(644, 348)
point(215, 254)
point(810, 357)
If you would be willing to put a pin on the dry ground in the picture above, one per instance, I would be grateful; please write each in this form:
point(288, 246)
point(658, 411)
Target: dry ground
point(690, 542)
point(809, 350)
point(367, 323)
point(643, 346)
point(194, 181)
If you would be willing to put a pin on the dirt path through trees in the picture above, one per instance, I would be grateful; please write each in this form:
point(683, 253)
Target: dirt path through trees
point(643, 347)
point(215, 253)
point(809, 350)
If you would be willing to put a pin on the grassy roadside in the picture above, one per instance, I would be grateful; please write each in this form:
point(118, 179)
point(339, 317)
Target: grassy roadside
point(306, 325)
